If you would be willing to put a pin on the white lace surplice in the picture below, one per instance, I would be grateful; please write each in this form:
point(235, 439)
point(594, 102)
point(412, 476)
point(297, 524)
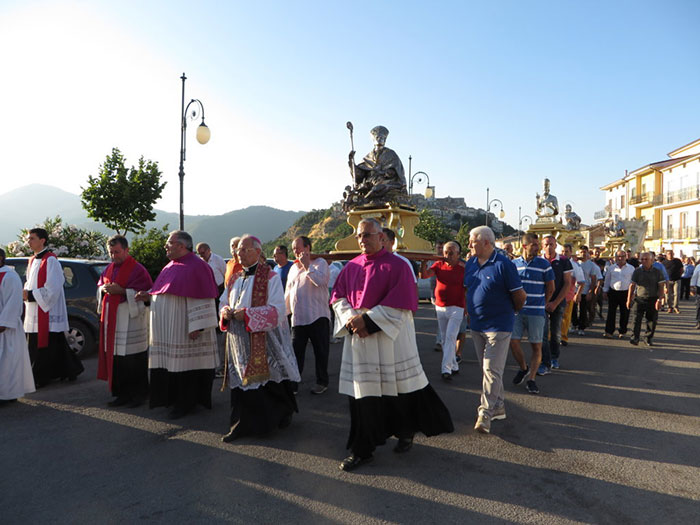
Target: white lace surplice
point(172, 319)
point(278, 341)
point(131, 332)
point(50, 297)
point(383, 364)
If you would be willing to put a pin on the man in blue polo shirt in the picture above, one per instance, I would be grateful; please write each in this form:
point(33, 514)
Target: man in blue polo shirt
point(538, 280)
point(494, 294)
point(280, 255)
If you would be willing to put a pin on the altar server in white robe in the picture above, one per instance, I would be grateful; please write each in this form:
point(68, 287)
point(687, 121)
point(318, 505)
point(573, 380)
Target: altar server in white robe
point(46, 317)
point(16, 378)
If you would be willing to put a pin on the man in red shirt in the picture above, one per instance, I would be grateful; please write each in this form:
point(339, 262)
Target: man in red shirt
point(449, 302)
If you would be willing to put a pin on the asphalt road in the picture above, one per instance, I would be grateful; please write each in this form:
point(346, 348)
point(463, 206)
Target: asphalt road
point(614, 437)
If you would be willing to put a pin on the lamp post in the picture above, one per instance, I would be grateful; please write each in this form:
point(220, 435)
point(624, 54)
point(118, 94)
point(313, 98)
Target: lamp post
point(521, 219)
point(203, 135)
point(493, 202)
point(420, 175)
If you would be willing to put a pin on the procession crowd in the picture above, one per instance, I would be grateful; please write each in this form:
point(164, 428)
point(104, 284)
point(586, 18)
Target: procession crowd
point(166, 341)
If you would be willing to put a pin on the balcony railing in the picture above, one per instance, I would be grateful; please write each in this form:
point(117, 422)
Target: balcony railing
point(686, 194)
point(642, 197)
point(687, 232)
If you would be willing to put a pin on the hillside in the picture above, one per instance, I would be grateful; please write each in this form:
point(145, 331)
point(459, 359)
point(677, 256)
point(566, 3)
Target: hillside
point(29, 205)
point(326, 227)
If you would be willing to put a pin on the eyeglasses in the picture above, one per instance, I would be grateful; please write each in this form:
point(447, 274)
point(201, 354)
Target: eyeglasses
point(365, 234)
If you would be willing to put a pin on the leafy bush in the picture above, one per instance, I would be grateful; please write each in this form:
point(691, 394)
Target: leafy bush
point(65, 240)
point(148, 248)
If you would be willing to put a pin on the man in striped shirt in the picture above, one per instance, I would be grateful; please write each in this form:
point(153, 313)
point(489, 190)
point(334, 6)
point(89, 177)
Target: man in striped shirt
point(538, 281)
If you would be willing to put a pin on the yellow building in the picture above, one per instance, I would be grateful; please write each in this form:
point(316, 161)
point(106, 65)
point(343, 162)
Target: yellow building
point(667, 193)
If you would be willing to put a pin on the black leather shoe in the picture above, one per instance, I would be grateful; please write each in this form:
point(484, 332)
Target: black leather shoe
point(447, 376)
point(119, 402)
point(353, 461)
point(135, 403)
point(404, 445)
point(233, 435)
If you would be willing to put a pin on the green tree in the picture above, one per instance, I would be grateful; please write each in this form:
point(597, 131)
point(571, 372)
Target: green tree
point(148, 248)
point(432, 228)
point(122, 198)
point(463, 236)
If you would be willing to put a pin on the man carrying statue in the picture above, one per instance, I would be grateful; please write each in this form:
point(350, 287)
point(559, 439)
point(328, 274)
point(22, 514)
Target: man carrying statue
point(379, 178)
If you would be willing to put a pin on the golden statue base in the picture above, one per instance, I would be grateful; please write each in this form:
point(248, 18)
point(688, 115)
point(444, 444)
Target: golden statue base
point(563, 236)
point(402, 220)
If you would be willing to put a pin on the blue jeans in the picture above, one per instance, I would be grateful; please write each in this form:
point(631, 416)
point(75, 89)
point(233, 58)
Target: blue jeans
point(551, 341)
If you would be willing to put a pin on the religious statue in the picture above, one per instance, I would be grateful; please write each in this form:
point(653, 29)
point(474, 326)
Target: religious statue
point(573, 221)
point(378, 179)
point(547, 205)
point(614, 227)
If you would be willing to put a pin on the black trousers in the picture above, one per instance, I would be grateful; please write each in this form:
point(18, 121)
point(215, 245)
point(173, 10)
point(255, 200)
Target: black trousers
point(56, 361)
point(319, 333)
point(582, 310)
point(130, 376)
point(685, 288)
point(645, 307)
point(374, 419)
point(617, 298)
point(262, 410)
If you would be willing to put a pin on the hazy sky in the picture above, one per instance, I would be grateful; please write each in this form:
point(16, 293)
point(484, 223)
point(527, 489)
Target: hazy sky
point(499, 94)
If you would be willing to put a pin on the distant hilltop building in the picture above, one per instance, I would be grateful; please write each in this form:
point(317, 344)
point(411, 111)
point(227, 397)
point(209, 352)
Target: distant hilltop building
point(451, 208)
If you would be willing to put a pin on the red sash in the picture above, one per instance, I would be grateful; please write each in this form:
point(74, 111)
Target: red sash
point(110, 304)
point(2, 276)
point(43, 317)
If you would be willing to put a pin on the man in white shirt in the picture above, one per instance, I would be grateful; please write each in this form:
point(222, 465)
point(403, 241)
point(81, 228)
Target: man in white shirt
point(615, 287)
point(215, 262)
point(306, 298)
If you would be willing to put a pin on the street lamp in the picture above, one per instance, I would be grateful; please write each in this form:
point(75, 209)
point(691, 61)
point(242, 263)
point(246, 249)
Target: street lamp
point(493, 202)
point(412, 176)
point(421, 175)
point(521, 219)
point(203, 135)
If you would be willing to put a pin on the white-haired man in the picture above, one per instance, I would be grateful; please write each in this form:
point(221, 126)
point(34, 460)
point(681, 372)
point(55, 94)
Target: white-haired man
point(494, 294)
point(260, 363)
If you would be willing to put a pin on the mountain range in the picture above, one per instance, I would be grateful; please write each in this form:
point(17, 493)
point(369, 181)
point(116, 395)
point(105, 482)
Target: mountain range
point(29, 205)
